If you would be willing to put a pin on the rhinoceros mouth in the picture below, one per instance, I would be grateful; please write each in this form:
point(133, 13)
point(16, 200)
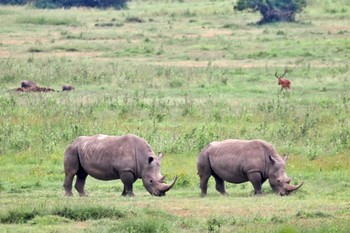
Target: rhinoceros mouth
point(163, 188)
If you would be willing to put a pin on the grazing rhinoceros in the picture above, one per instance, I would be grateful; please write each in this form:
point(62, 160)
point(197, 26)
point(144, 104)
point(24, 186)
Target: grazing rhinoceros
point(113, 157)
point(238, 161)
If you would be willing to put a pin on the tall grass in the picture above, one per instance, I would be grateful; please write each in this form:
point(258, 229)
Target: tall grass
point(179, 74)
point(47, 20)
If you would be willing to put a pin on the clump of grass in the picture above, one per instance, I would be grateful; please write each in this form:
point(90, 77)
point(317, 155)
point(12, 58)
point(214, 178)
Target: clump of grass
point(230, 26)
point(134, 20)
point(143, 226)
point(317, 214)
point(62, 214)
point(48, 20)
point(108, 24)
point(18, 216)
point(48, 220)
point(35, 50)
point(213, 225)
point(85, 213)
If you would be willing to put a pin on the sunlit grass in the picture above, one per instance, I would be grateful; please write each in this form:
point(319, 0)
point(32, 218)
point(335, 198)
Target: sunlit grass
point(179, 74)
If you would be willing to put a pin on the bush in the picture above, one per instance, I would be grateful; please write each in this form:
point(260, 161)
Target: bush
point(273, 10)
point(13, 2)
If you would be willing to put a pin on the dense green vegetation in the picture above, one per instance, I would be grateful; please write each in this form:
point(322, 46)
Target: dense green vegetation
point(273, 11)
point(52, 4)
point(179, 74)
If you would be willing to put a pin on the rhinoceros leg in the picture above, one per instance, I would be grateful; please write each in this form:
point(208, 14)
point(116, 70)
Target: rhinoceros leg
point(128, 179)
point(71, 167)
point(204, 184)
point(256, 179)
point(220, 185)
point(80, 182)
point(68, 180)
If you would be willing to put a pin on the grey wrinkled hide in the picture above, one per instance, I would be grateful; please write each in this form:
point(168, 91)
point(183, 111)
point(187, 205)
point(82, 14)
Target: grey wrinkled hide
point(105, 157)
point(238, 161)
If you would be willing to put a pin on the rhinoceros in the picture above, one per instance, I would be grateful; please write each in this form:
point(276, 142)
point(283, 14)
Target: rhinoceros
point(238, 161)
point(104, 157)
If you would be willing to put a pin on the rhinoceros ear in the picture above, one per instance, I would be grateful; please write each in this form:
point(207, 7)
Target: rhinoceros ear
point(272, 159)
point(150, 160)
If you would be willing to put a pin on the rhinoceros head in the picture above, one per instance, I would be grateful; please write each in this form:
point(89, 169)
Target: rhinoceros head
point(152, 179)
point(278, 179)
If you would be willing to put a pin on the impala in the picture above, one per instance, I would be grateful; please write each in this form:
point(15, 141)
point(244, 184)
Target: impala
point(285, 83)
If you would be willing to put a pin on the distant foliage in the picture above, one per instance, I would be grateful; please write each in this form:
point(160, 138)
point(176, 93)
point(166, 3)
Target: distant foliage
point(13, 2)
point(273, 10)
point(68, 3)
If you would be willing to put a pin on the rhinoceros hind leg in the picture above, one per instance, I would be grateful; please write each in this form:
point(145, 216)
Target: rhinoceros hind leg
point(128, 179)
point(68, 180)
point(256, 179)
point(204, 184)
point(220, 185)
point(80, 182)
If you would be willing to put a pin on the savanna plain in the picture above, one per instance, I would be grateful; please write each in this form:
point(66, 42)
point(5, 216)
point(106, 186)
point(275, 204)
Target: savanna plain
point(180, 74)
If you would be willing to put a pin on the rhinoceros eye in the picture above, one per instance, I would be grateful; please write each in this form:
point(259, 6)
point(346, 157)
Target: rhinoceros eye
point(151, 181)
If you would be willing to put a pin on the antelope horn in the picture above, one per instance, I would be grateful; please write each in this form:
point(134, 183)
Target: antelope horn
point(291, 188)
point(276, 75)
point(285, 71)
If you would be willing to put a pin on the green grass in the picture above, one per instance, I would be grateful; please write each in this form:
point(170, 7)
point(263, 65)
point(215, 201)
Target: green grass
point(179, 74)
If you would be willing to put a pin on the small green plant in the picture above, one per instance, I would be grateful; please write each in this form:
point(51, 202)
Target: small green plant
point(213, 225)
point(149, 225)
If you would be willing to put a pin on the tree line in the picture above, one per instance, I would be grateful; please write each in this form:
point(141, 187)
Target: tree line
point(51, 4)
point(271, 10)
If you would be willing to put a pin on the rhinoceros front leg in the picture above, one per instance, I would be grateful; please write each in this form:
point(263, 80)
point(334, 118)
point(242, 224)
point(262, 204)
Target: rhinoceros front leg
point(256, 179)
point(128, 179)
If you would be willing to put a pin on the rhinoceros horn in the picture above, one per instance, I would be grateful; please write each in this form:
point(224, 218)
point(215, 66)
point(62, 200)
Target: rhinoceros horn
point(165, 187)
point(291, 188)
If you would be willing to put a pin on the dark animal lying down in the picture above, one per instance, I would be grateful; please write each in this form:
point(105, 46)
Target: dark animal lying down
point(30, 86)
point(68, 88)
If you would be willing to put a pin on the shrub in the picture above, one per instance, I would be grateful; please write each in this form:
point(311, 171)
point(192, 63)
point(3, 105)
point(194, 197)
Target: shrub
point(273, 10)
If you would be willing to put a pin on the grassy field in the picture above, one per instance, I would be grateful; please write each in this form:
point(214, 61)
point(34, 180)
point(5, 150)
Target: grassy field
point(179, 74)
